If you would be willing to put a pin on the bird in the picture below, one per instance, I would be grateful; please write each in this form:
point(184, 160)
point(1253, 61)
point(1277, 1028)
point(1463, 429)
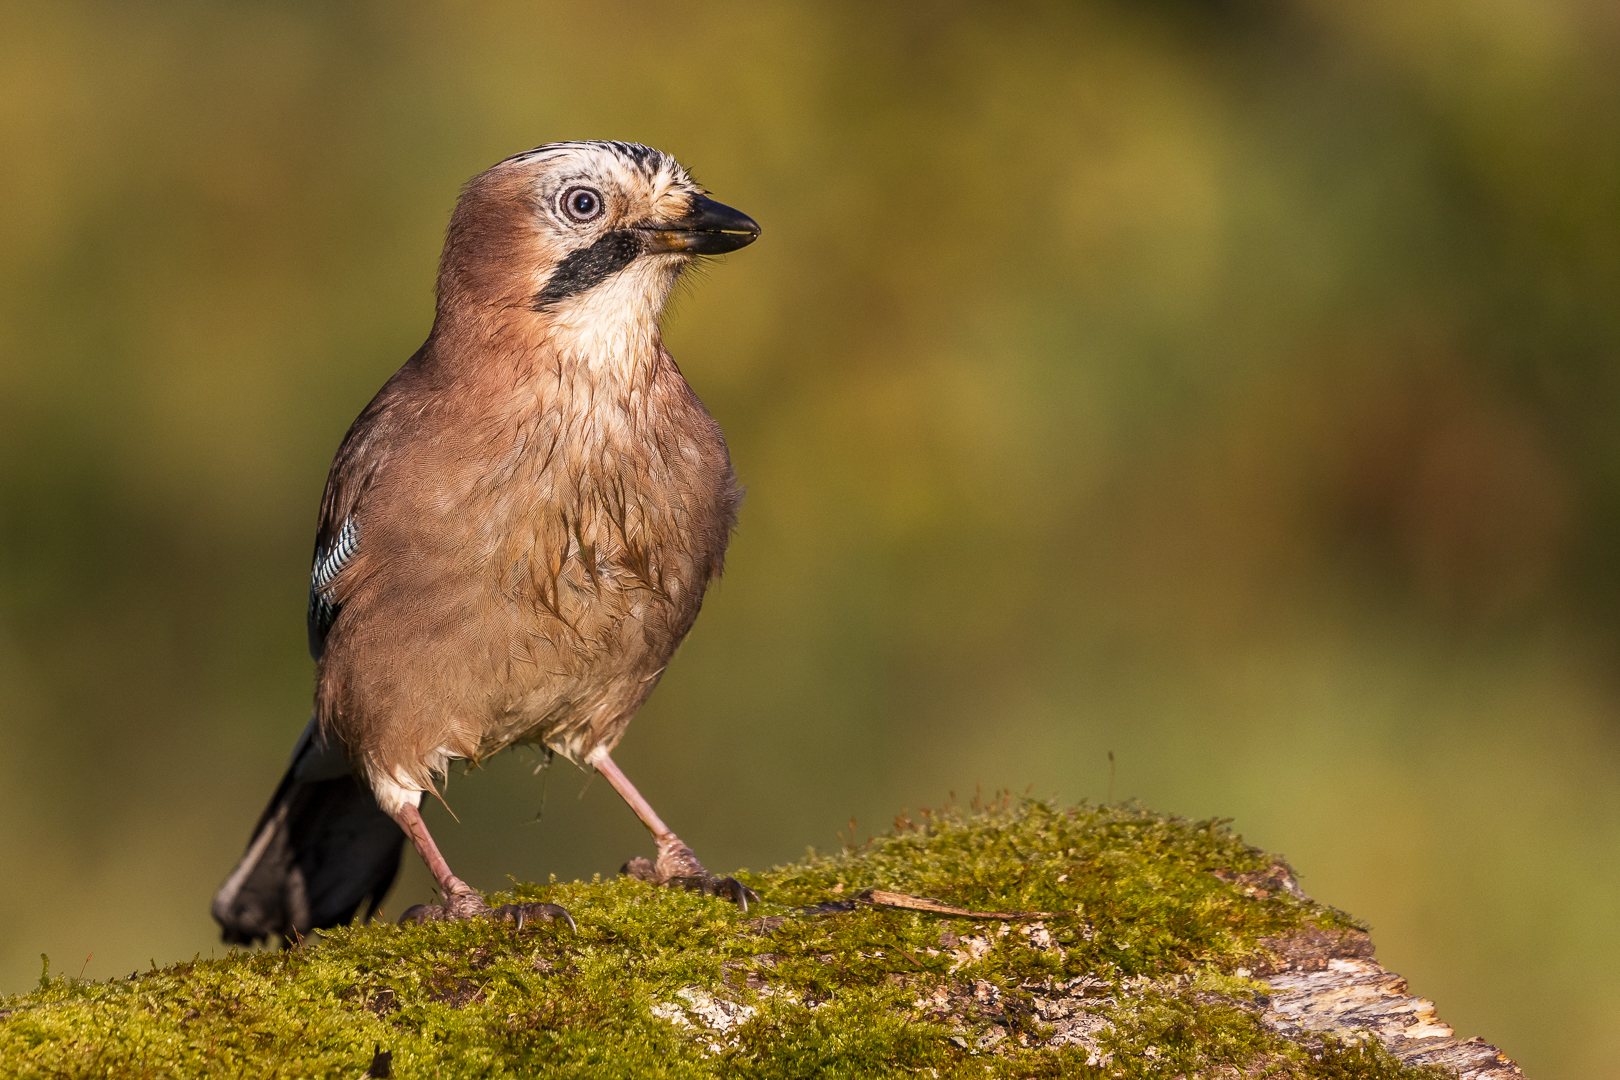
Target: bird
point(515, 535)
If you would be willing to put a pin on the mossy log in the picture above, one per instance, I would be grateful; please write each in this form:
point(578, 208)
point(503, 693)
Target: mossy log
point(1015, 940)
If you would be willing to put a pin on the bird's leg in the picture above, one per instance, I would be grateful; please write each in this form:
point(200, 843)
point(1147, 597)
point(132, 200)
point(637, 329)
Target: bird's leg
point(676, 864)
point(460, 901)
point(675, 859)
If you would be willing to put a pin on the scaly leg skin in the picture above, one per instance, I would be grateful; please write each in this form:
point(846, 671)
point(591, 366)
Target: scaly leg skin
point(461, 902)
point(676, 866)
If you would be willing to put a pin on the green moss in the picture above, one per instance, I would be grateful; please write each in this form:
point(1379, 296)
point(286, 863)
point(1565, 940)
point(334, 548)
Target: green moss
point(1137, 913)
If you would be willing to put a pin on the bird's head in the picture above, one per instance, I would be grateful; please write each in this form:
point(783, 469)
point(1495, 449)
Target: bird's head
point(587, 237)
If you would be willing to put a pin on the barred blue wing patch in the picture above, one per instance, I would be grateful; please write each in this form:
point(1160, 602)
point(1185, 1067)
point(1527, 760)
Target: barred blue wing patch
point(329, 560)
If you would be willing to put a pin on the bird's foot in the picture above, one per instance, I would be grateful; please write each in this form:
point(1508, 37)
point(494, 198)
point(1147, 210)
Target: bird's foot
point(727, 888)
point(676, 860)
point(417, 914)
point(461, 905)
point(678, 868)
point(523, 914)
point(469, 905)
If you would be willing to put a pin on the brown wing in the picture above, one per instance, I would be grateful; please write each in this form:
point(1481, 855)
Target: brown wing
point(361, 456)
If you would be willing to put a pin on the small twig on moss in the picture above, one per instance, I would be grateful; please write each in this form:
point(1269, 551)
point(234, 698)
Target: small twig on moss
point(883, 898)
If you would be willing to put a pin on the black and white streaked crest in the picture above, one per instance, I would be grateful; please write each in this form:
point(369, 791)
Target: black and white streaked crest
point(328, 561)
point(643, 159)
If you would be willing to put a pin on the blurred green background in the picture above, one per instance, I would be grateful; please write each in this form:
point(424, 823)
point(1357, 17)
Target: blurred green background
point(1230, 385)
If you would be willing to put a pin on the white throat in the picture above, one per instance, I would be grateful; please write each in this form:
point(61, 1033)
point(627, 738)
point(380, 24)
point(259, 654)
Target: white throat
point(611, 329)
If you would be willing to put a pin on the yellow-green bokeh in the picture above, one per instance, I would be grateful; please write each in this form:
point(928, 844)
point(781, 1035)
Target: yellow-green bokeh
point(1227, 384)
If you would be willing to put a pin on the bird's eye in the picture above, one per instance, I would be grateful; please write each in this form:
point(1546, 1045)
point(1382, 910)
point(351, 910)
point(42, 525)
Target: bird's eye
point(582, 204)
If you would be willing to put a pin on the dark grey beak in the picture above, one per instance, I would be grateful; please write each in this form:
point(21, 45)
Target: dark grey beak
point(710, 228)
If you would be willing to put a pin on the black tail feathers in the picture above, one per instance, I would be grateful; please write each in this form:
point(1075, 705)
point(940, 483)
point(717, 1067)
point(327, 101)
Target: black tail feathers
point(321, 849)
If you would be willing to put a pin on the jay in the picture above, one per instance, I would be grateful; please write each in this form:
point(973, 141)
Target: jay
point(515, 535)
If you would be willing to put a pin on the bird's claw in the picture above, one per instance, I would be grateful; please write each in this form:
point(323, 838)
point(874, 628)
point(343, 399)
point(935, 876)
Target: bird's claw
point(418, 914)
point(472, 906)
point(642, 869)
point(677, 867)
point(522, 914)
point(728, 888)
point(461, 906)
